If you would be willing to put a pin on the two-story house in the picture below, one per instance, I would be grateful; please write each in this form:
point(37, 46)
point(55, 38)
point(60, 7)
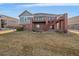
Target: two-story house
point(43, 21)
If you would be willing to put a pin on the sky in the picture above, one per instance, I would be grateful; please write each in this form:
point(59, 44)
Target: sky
point(15, 9)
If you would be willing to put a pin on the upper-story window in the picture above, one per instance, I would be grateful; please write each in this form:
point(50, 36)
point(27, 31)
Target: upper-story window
point(25, 19)
point(21, 19)
point(28, 19)
point(50, 18)
point(39, 18)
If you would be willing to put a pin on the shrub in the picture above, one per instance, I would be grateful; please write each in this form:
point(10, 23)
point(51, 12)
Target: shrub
point(37, 30)
point(19, 28)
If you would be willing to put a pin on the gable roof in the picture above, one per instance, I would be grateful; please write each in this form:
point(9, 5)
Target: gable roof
point(25, 13)
point(44, 14)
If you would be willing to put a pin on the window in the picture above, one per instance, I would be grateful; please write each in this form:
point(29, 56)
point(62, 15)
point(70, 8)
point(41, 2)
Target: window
point(21, 18)
point(50, 27)
point(37, 26)
point(40, 18)
point(50, 18)
point(25, 19)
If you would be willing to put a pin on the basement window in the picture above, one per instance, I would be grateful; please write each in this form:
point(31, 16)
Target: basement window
point(51, 27)
point(37, 26)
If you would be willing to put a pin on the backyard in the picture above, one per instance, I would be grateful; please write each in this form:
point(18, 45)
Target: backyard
point(39, 44)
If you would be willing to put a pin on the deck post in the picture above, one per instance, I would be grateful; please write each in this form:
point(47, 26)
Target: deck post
point(65, 22)
point(55, 26)
point(60, 26)
point(46, 23)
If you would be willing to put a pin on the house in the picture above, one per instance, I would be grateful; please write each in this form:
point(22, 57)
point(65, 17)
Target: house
point(43, 21)
point(73, 23)
point(7, 21)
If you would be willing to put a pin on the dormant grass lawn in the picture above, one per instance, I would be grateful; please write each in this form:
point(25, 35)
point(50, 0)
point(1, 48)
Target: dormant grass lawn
point(39, 44)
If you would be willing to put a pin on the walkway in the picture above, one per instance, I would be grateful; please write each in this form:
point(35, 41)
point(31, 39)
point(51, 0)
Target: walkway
point(74, 31)
point(7, 31)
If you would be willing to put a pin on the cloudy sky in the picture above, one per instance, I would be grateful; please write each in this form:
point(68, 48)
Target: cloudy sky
point(14, 10)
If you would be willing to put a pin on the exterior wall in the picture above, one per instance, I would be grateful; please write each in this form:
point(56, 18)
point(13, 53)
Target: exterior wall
point(12, 23)
point(2, 23)
point(27, 27)
point(9, 22)
point(74, 26)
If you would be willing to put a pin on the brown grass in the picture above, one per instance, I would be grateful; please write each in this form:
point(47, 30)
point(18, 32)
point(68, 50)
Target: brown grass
point(39, 44)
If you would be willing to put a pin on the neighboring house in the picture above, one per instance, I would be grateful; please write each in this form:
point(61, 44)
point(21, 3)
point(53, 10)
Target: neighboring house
point(74, 23)
point(43, 21)
point(6, 21)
